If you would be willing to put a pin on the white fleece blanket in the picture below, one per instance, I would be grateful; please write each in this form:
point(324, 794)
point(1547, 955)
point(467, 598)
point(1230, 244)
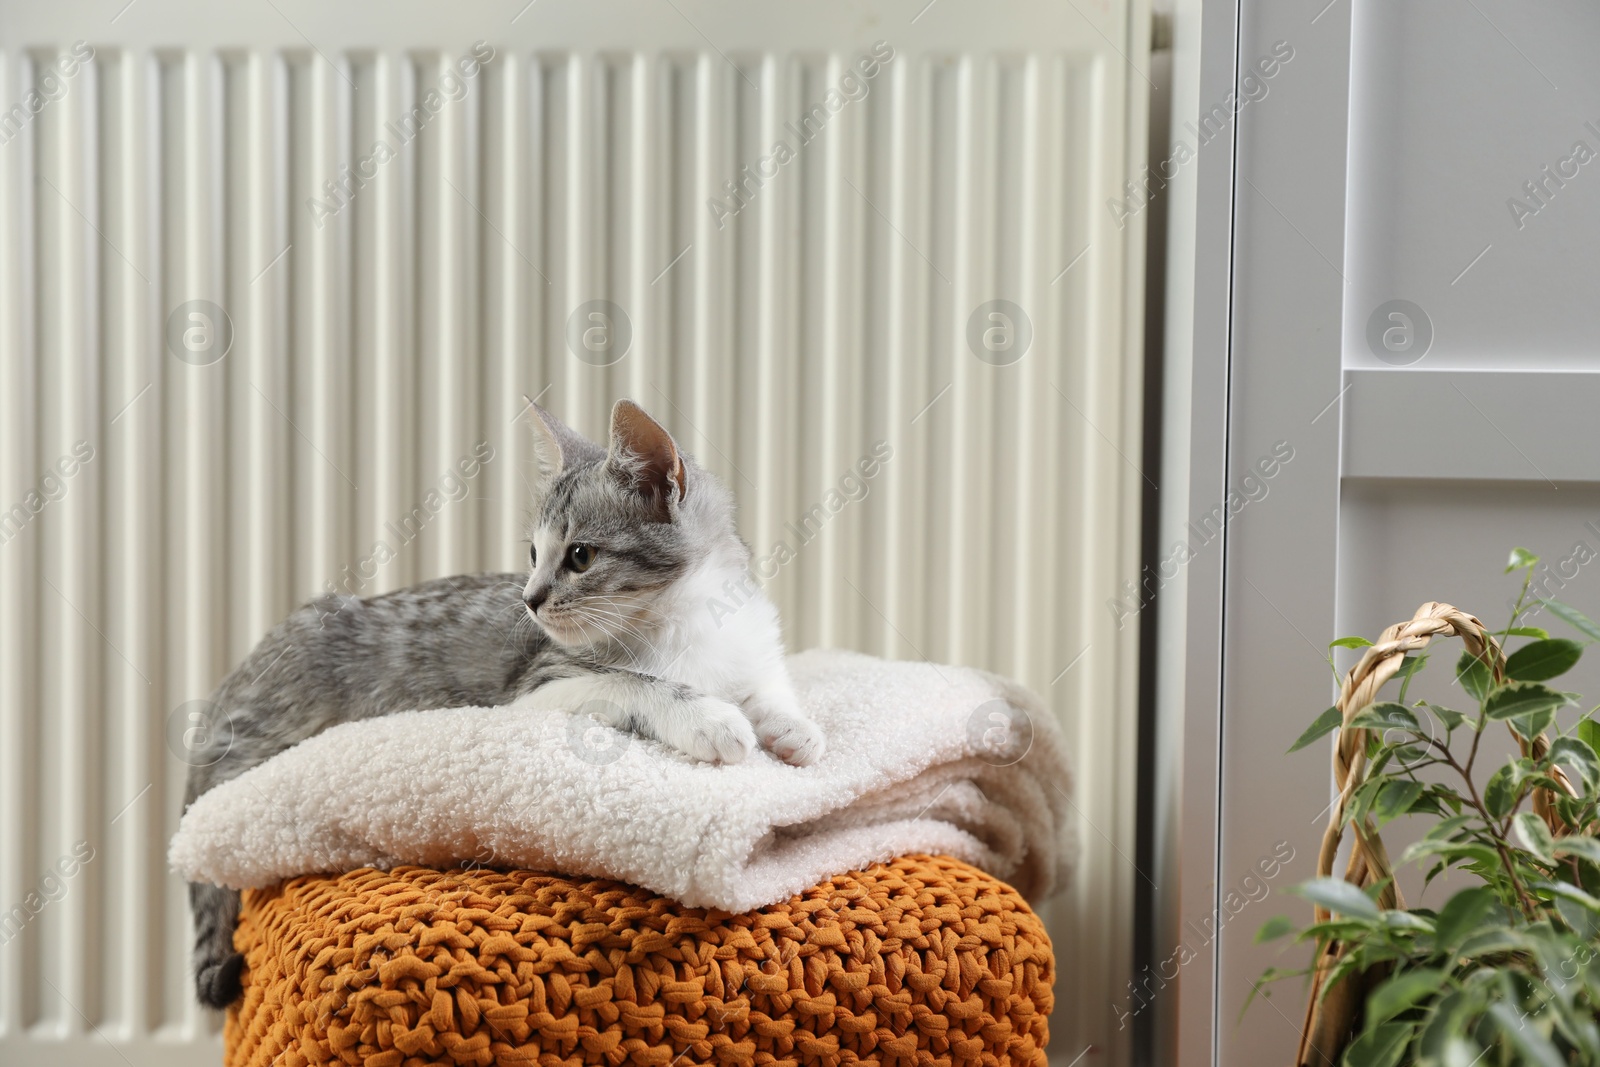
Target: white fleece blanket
point(920, 758)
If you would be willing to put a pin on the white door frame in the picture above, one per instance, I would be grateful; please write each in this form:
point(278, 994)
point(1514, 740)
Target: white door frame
point(1254, 334)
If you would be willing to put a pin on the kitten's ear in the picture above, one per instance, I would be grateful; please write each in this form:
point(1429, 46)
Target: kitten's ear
point(559, 446)
point(645, 459)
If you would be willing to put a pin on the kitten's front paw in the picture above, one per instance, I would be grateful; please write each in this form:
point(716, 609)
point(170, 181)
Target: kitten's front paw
point(792, 738)
point(716, 732)
point(783, 728)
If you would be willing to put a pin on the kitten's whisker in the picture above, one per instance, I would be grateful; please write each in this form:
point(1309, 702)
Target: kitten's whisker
point(623, 619)
point(596, 613)
point(613, 599)
point(598, 609)
point(589, 616)
point(579, 616)
point(585, 631)
point(611, 605)
point(523, 619)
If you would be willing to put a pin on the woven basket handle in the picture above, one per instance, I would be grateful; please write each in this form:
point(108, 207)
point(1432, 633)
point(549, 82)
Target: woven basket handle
point(1328, 1019)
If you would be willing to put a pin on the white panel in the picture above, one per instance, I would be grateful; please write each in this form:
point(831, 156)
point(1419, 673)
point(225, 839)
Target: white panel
point(390, 311)
point(1492, 236)
point(1481, 425)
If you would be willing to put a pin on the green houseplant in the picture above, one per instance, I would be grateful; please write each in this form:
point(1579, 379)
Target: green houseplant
point(1506, 970)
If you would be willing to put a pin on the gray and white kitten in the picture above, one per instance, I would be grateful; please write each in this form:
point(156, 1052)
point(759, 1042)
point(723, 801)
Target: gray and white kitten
point(630, 545)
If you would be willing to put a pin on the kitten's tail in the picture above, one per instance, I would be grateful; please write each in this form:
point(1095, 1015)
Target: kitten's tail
point(217, 967)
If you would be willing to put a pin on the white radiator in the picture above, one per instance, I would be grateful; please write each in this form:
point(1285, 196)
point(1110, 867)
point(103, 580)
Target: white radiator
point(245, 353)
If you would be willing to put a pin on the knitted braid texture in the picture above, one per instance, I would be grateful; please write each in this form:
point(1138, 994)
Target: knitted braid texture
point(922, 960)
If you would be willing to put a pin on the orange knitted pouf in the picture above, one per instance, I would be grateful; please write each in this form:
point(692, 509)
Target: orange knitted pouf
point(920, 960)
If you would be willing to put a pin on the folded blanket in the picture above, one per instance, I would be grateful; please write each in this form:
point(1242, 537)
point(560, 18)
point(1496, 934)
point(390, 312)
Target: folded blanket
point(921, 759)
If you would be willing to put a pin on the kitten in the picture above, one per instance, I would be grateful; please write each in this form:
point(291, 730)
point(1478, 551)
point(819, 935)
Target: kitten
point(630, 546)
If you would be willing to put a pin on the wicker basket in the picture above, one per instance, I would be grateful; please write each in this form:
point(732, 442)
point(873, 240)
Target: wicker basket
point(1330, 1019)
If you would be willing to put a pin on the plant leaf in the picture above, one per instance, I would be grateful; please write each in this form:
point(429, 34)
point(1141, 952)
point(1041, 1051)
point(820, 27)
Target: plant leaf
point(1350, 963)
point(1381, 1046)
point(1360, 804)
point(1473, 675)
point(1572, 1022)
point(1589, 732)
point(1584, 922)
point(1445, 827)
point(1577, 756)
point(1570, 810)
point(1435, 871)
point(1387, 715)
point(1459, 1052)
point(1542, 660)
point(1501, 793)
point(1395, 799)
point(1407, 921)
point(1574, 618)
point(1452, 850)
point(1535, 836)
point(1350, 642)
point(1522, 698)
point(1447, 1018)
point(1324, 725)
point(1451, 719)
point(1340, 896)
point(1526, 631)
point(1570, 892)
point(1520, 558)
point(1335, 930)
point(1492, 941)
point(1275, 928)
point(1533, 724)
point(1533, 1046)
point(1463, 913)
point(1584, 847)
point(1402, 991)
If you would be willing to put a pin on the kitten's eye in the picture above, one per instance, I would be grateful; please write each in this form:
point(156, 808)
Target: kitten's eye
point(533, 556)
point(580, 557)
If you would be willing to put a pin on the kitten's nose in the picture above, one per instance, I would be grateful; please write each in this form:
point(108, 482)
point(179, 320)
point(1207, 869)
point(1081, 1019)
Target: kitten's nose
point(535, 598)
